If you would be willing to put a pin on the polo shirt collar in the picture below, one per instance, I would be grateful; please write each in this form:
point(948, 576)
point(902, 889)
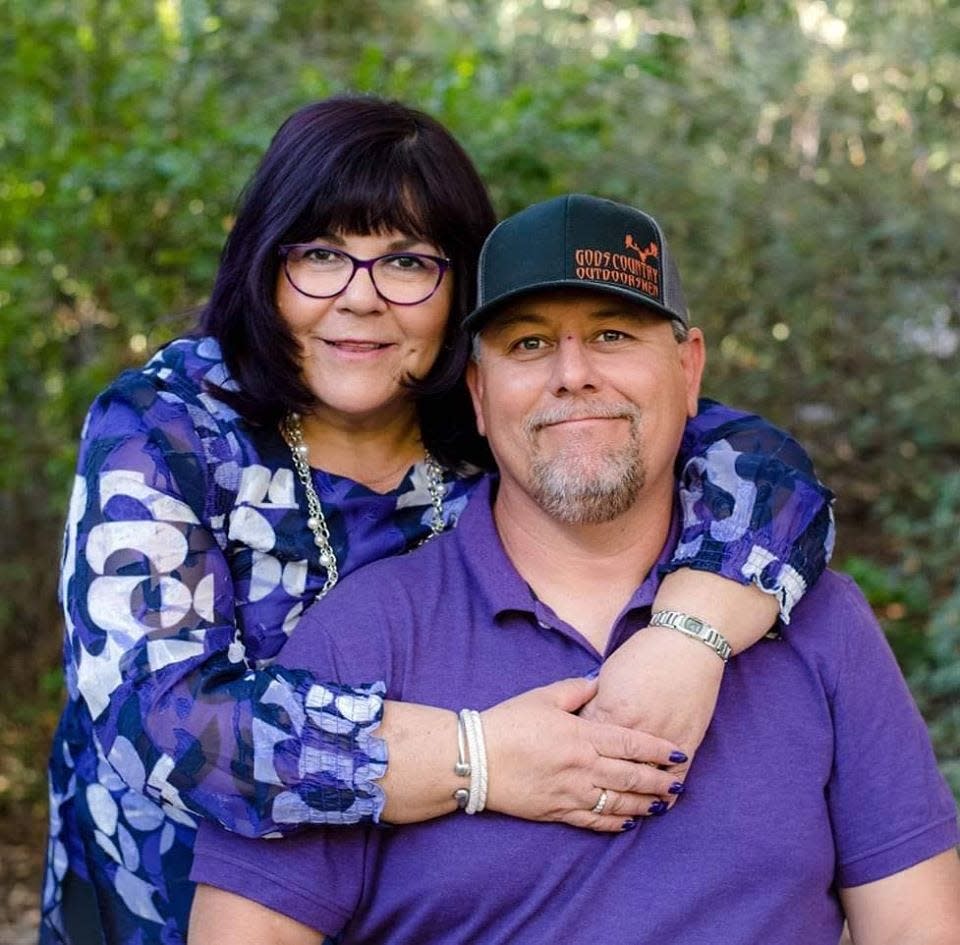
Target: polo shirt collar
point(492, 572)
point(485, 559)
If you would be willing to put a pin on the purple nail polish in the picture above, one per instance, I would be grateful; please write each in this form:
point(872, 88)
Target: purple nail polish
point(677, 757)
point(628, 825)
point(658, 807)
point(678, 787)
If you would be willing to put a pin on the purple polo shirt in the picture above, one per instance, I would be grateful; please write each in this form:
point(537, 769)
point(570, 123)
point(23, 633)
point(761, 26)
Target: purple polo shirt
point(817, 772)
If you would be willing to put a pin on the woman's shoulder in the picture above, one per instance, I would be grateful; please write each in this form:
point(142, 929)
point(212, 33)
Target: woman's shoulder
point(189, 368)
point(170, 402)
point(180, 379)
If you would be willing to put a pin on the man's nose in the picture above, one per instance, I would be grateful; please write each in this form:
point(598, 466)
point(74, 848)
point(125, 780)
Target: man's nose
point(573, 367)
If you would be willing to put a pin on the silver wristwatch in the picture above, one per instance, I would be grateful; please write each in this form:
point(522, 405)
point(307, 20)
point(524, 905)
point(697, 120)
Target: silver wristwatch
point(693, 627)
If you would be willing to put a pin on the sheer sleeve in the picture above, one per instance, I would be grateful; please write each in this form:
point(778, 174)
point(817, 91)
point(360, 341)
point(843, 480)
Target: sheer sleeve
point(154, 653)
point(753, 508)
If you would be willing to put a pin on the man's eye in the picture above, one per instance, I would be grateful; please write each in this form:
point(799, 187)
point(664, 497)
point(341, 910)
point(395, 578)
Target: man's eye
point(611, 334)
point(528, 344)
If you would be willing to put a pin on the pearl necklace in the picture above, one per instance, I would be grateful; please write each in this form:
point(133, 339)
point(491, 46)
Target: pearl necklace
point(292, 432)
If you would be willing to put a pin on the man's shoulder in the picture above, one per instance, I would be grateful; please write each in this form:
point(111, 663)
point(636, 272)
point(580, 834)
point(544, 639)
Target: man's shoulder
point(834, 624)
point(832, 590)
point(834, 603)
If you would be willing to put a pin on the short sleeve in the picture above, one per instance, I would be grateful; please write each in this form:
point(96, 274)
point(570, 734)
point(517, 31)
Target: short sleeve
point(315, 877)
point(890, 806)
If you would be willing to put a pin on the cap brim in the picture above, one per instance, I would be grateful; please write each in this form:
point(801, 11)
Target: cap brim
point(479, 316)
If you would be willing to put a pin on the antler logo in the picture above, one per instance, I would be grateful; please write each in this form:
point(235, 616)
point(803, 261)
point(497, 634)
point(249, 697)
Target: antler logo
point(643, 253)
point(640, 272)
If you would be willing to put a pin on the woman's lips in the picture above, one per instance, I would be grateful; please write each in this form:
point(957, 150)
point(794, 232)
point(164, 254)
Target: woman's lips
point(357, 346)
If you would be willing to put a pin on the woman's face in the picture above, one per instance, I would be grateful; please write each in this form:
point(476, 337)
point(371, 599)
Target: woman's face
point(357, 348)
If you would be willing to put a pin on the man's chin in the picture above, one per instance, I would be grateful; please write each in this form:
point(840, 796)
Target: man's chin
point(579, 489)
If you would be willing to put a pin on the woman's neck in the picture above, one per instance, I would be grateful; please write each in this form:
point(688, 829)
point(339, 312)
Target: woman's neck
point(377, 455)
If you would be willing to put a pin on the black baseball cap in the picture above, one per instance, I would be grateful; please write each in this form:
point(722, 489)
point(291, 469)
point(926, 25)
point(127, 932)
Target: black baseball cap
point(579, 242)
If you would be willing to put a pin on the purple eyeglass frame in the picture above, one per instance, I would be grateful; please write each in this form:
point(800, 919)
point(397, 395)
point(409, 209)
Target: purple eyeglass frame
point(284, 249)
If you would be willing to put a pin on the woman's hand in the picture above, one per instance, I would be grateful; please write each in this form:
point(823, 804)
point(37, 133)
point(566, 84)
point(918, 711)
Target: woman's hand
point(660, 681)
point(663, 682)
point(545, 763)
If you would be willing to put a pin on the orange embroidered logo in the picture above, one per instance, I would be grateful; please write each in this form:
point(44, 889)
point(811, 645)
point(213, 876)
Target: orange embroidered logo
point(640, 273)
point(650, 249)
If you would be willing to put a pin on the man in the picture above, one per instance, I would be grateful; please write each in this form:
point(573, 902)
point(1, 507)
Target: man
point(815, 793)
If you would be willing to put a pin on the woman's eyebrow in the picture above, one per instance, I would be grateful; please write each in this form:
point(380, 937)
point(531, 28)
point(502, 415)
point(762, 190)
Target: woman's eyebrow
point(400, 243)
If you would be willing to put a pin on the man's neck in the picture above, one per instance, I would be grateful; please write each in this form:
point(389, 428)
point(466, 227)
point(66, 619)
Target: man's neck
point(585, 573)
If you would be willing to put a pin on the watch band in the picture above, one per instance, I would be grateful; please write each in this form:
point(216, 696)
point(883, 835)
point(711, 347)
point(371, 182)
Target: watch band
point(693, 627)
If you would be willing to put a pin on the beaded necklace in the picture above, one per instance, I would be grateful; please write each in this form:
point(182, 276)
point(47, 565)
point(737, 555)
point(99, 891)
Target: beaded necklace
point(292, 432)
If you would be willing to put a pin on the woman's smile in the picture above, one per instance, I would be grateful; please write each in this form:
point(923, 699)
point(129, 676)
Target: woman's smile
point(356, 346)
point(359, 350)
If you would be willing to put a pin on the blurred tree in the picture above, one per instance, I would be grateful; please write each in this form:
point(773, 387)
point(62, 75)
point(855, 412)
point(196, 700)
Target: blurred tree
point(805, 156)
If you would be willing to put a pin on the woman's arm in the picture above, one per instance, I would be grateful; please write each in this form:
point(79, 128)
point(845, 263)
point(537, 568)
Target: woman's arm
point(752, 507)
point(545, 763)
point(156, 656)
point(757, 531)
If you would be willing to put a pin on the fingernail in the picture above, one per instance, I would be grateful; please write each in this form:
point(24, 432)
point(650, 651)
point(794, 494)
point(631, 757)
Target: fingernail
point(658, 807)
point(677, 757)
point(678, 787)
point(628, 825)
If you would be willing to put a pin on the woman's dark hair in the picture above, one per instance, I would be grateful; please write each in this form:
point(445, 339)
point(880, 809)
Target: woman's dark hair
point(354, 164)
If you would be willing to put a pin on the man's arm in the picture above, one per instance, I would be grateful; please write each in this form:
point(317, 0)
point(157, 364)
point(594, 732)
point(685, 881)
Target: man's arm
point(917, 906)
point(219, 916)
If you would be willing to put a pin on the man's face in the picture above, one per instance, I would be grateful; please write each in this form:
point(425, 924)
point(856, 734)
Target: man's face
point(583, 399)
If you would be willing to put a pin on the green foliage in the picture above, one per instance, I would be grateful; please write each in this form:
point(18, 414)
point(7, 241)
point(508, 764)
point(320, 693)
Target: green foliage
point(804, 158)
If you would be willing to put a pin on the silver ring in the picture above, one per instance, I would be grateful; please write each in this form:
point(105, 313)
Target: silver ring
point(601, 802)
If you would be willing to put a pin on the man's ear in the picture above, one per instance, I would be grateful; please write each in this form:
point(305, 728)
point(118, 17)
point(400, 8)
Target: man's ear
point(475, 386)
point(693, 359)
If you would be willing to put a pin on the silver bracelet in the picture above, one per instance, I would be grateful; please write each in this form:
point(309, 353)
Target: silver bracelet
point(462, 769)
point(693, 627)
point(473, 729)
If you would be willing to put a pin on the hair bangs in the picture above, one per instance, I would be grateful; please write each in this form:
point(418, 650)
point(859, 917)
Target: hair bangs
point(372, 194)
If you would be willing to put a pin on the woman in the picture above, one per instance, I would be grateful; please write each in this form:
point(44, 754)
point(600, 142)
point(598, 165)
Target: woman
point(199, 531)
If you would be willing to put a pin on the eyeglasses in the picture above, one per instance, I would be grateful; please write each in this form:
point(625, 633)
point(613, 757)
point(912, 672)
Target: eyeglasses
point(322, 272)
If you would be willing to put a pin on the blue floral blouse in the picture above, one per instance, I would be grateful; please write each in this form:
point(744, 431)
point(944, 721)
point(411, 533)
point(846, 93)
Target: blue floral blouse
point(187, 562)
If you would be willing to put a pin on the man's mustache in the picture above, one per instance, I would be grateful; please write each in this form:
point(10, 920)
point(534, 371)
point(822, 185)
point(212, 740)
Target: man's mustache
point(580, 411)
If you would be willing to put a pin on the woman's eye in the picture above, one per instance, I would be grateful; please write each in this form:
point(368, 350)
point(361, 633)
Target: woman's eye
point(407, 262)
point(319, 254)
